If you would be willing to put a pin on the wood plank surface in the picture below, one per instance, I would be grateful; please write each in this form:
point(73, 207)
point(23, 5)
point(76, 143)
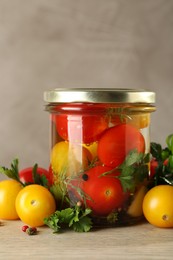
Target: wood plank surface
point(143, 241)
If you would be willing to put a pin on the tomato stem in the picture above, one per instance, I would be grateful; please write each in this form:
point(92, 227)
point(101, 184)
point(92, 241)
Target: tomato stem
point(165, 217)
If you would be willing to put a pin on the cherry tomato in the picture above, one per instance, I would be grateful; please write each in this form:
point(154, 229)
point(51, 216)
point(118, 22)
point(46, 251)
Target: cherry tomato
point(84, 127)
point(26, 175)
point(34, 203)
point(51, 176)
point(158, 206)
point(92, 148)
point(135, 208)
point(69, 159)
point(103, 193)
point(153, 165)
point(9, 190)
point(166, 162)
point(117, 142)
point(140, 121)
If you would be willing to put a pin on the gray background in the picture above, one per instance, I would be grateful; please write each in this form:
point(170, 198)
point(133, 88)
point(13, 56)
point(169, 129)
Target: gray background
point(78, 43)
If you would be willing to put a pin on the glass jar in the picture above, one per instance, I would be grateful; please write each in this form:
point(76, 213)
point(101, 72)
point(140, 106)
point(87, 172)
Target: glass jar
point(100, 146)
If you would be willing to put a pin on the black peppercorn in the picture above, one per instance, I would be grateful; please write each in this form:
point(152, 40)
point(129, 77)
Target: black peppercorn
point(85, 177)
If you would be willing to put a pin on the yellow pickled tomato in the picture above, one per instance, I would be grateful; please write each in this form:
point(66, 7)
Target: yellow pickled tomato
point(69, 159)
point(135, 209)
point(92, 148)
point(140, 121)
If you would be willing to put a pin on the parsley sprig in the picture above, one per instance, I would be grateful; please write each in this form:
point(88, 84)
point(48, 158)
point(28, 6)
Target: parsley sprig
point(13, 172)
point(164, 158)
point(76, 218)
point(133, 170)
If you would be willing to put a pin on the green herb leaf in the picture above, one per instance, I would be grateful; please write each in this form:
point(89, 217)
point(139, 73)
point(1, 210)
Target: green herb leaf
point(76, 218)
point(156, 150)
point(66, 215)
point(12, 172)
point(39, 179)
point(165, 153)
point(170, 162)
point(167, 180)
point(133, 170)
point(133, 157)
point(169, 142)
point(83, 225)
point(53, 223)
point(164, 158)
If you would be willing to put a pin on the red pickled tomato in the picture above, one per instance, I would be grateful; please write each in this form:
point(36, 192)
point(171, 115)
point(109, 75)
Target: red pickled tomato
point(103, 193)
point(80, 128)
point(117, 142)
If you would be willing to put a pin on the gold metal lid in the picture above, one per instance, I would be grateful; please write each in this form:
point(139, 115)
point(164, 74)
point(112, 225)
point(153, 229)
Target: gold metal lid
point(99, 95)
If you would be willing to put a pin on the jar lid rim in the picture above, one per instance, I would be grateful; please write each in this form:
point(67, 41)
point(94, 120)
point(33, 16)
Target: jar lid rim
point(99, 95)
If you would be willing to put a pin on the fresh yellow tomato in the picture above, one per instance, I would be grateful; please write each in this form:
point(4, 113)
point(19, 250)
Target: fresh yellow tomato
point(158, 206)
point(34, 203)
point(9, 190)
point(67, 158)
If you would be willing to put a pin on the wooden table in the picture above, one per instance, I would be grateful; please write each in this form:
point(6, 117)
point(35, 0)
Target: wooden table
point(141, 241)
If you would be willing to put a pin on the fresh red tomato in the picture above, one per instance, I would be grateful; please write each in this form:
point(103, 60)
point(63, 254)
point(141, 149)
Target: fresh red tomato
point(50, 177)
point(103, 193)
point(81, 127)
point(117, 142)
point(166, 161)
point(153, 166)
point(26, 175)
